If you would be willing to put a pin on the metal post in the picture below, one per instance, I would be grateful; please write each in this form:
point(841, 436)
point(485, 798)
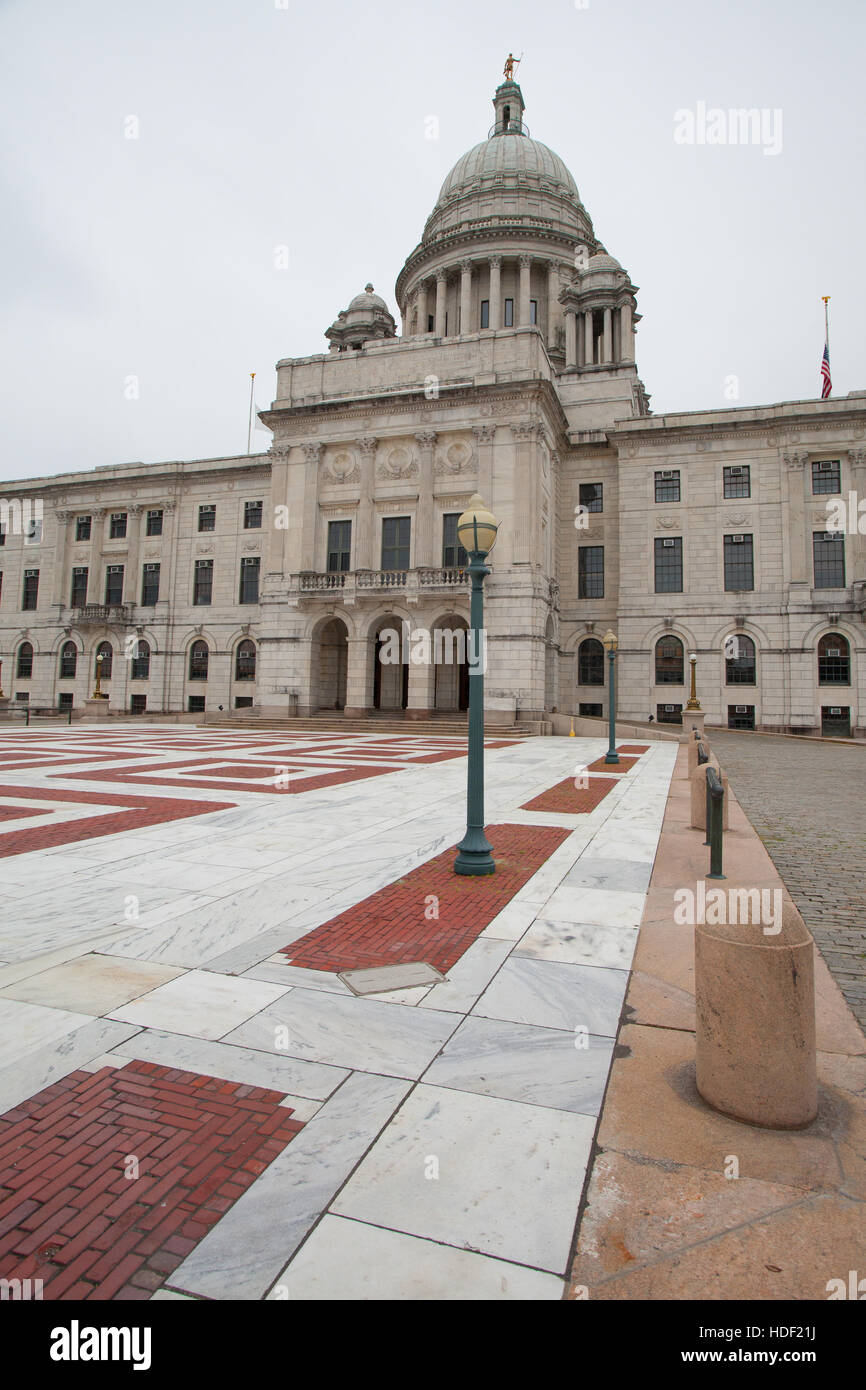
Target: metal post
point(474, 853)
point(611, 756)
point(716, 793)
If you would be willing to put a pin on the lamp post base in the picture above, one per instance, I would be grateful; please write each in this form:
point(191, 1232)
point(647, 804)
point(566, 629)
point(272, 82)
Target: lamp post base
point(611, 757)
point(474, 854)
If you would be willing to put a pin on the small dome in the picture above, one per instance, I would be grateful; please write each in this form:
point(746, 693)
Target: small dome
point(367, 300)
point(602, 261)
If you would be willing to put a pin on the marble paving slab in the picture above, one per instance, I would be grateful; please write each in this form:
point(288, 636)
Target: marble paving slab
point(200, 1004)
point(91, 984)
point(579, 943)
point(350, 1260)
point(245, 1252)
point(478, 1173)
point(554, 995)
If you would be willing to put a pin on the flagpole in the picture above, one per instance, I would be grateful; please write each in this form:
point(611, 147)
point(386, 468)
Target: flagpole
point(250, 413)
point(826, 299)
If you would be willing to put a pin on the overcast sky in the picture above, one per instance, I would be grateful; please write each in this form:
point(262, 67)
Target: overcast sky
point(270, 123)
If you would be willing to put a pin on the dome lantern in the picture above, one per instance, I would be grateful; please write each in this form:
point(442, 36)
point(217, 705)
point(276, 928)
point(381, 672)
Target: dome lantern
point(367, 316)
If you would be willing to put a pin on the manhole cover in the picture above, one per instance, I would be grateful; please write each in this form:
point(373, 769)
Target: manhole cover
point(383, 978)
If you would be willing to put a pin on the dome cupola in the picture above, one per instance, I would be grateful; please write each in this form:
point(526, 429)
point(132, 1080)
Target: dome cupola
point(367, 316)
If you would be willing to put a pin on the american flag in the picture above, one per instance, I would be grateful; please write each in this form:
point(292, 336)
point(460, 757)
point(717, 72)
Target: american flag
point(826, 383)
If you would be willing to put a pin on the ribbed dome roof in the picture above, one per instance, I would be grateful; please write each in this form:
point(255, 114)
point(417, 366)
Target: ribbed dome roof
point(602, 261)
point(509, 155)
point(367, 300)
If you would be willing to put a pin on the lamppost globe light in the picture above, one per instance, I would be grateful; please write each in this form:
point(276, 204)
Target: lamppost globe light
point(609, 641)
point(693, 656)
point(477, 527)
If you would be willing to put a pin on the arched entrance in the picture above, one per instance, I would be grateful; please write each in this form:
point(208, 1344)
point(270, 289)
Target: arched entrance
point(390, 665)
point(450, 664)
point(333, 664)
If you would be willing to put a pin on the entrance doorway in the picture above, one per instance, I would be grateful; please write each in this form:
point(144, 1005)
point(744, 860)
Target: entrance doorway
point(836, 721)
point(390, 668)
point(333, 664)
point(451, 665)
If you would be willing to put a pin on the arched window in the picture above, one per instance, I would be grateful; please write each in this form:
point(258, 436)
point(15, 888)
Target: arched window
point(245, 661)
point(669, 661)
point(590, 662)
point(834, 660)
point(104, 666)
point(24, 668)
point(740, 664)
point(198, 659)
point(141, 662)
point(68, 661)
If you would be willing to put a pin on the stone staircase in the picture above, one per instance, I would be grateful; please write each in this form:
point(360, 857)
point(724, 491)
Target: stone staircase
point(447, 725)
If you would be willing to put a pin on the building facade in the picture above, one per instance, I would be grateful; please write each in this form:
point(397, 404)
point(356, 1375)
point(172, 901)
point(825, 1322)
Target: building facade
point(269, 583)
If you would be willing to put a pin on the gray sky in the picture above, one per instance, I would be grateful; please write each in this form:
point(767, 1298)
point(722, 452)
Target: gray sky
point(264, 123)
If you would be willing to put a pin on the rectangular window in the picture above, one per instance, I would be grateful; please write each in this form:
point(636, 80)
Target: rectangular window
point(739, 562)
point(669, 714)
point(252, 516)
point(590, 571)
point(117, 529)
point(207, 517)
point(826, 477)
point(23, 696)
point(430, 326)
point(485, 313)
point(2, 534)
point(67, 699)
point(533, 311)
point(1, 583)
point(82, 528)
point(137, 704)
point(79, 586)
point(202, 589)
point(453, 554)
point(114, 584)
point(154, 524)
point(669, 565)
point(589, 711)
point(591, 496)
point(741, 716)
point(149, 586)
point(737, 481)
point(339, 546)
point(243, 702)
point(396, 531)
point(249, 586)
point(828, 551)
point(668, 485)
point(195, 704)
point(509, 313)
point(30, 592)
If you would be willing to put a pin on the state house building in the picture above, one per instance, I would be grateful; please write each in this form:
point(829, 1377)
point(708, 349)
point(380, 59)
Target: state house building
point(263, 582)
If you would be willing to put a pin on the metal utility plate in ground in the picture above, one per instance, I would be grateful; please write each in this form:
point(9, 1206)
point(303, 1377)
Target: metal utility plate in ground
point(382, 978)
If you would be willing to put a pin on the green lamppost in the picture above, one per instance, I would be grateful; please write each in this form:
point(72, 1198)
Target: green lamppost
point(609, 643)
point(476, 532)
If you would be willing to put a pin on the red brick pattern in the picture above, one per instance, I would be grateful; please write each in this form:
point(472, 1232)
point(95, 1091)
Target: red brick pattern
point(137, 811)
point(68, 1214)
point(624, 765)
point(567, 799)
point(633, 748)
point(392, 927)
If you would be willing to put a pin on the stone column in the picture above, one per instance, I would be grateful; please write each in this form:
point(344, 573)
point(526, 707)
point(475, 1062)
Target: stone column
point(525, 265)
point(553, 304)
point(422, 307)
point(857, 464)
point(312, 454)
point(59, 591)
point(570, 338)
point(626, 334)
point(799, 542)
point(495, 292)
point(133, 534)
point(441, 287)
point(95, 592)
point(466, 325)
point(364, 557)
point(524, 491)
point(484, 441)
point(424, 540)
point(608, 337)
point(587, 342)
point(359, 698)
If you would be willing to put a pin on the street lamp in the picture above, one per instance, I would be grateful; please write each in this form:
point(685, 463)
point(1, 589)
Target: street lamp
point(693, 702)
point(97, 693)
point(609, 642)
point(476, 532)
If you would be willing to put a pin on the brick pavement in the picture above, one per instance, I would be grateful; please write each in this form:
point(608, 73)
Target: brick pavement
point(806, 801)
point(77, 1213)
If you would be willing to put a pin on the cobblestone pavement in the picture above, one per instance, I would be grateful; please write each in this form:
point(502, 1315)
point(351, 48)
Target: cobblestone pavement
point(806, 801)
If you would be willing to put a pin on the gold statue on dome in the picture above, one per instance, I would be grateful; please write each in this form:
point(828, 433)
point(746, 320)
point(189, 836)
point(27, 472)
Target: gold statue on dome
point(510, 64)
